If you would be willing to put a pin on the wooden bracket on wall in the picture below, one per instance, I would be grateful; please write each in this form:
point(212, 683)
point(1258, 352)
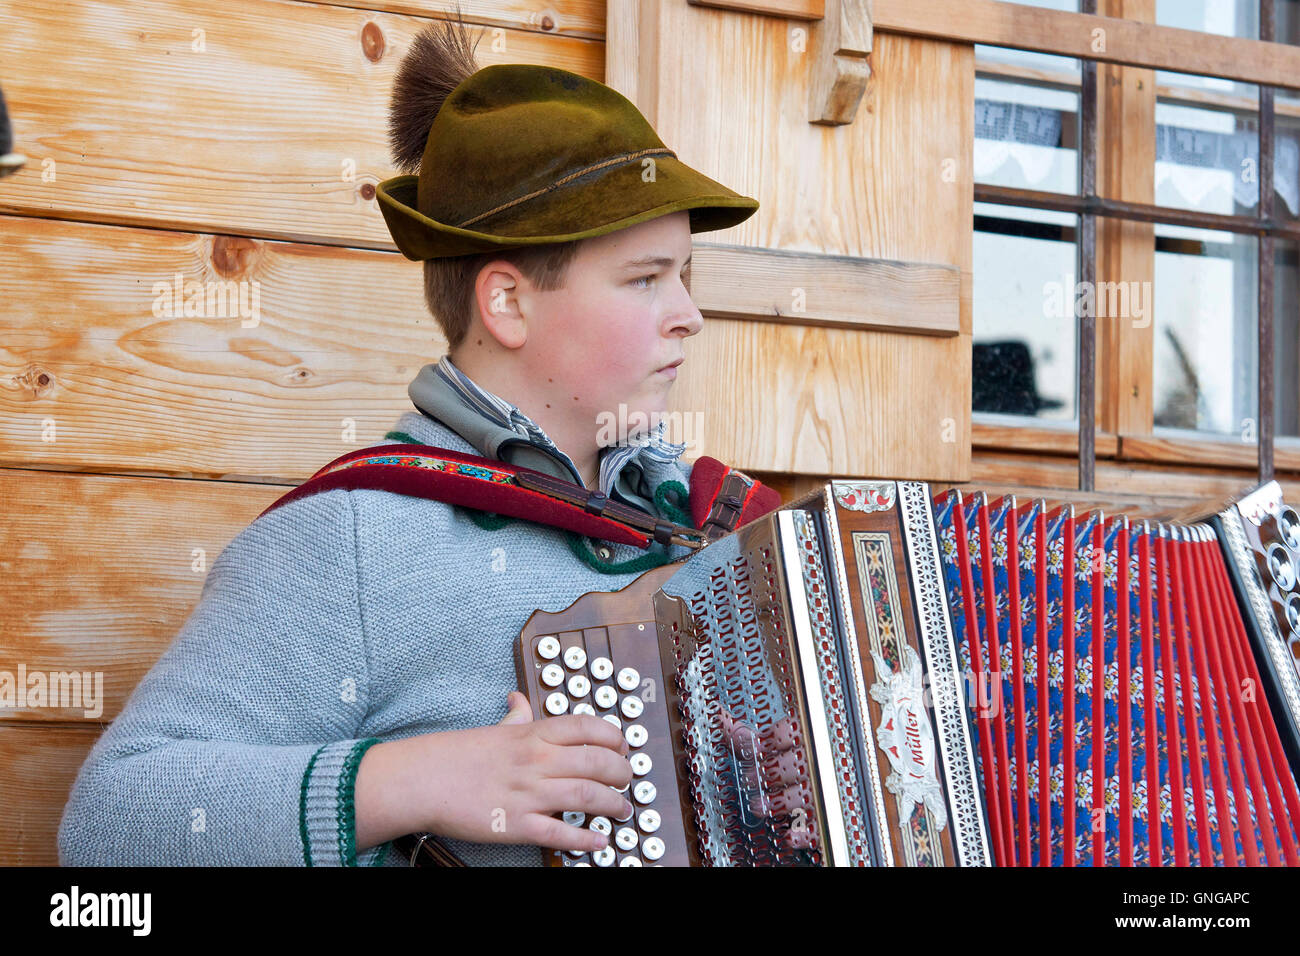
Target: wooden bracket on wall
point(839, 47)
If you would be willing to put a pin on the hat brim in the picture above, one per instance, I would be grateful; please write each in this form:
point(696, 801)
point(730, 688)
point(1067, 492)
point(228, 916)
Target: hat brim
point(712, 206)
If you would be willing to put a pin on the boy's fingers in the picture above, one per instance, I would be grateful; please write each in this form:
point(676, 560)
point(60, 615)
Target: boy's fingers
point(559, 794)
point(518, 711)
point(555, 833)
point(574, 729)
point(589, 763)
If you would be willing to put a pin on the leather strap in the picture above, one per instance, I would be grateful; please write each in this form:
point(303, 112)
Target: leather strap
point(424, 849)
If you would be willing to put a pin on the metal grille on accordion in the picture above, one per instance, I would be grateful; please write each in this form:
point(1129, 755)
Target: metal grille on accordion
point(870, 676)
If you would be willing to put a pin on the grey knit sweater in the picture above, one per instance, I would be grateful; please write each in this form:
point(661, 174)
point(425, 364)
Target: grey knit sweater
point(336, 621)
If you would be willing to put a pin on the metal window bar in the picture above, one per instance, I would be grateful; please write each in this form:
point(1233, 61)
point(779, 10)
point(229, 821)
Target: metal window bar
point(1088, 206)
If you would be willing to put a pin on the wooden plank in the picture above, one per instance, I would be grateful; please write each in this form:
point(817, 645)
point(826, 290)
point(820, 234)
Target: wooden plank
point(571, 18)
point(278, 128)
point(801, 288)
point(97, 575)
point(340, 335)
point(38, 764)
point(1126, 151)
point(1005, 436)
point(790, 9)
point(1063, 33)
point(894, 185)
point(1189, 449)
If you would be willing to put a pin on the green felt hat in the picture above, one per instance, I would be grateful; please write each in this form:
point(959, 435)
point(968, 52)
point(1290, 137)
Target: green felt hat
point(523, 155)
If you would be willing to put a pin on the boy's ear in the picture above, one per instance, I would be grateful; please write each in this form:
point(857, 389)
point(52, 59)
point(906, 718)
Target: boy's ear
point(496, 292)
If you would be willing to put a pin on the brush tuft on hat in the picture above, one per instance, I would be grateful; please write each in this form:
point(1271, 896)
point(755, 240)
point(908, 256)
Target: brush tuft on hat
point(440, 58)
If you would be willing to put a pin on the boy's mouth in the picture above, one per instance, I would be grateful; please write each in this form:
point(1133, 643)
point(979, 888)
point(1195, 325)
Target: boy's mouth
point(671, 370)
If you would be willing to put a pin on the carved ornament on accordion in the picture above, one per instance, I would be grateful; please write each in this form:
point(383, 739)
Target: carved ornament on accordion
point(905, 736)
point(866, 496)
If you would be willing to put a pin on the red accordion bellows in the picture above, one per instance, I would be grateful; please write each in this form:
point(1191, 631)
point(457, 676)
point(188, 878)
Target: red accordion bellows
point(1117, 712)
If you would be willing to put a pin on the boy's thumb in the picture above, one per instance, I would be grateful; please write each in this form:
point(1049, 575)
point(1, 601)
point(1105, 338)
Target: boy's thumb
point(518, 711)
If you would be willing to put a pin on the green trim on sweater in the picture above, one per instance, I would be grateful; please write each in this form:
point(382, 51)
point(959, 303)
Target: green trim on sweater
point(302, 807)
point(346, 813)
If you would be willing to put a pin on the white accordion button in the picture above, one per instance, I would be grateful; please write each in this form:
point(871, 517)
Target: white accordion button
point(648, 820)
point(606, 696)
point(629, 861)
point(579, 686)
point(552, 675)
point(632, 707)
point(574, 657)
point(613, 719)
point(601, 668)
point(636, 735)
point(557, 704)
point(644, 792)
point(641, 764)
point(653, 848)
point(600, 825)
point(626, 838)
point(629, 679)
point(548, 648)
point(604, 857)
point(575, 818)
point(584, 709)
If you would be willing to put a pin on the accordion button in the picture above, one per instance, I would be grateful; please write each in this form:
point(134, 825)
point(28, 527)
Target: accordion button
point(600, 825)
point(641, 763)
point(548, 648)
point(574, 818)
point(628, 678)
point(644, 792)
point(552, 675)
point(604, 857)
point(632, 707)
point(606, 696)
point(557, 704)
point(648, 820)
point(584, 710)
point(636, 735)
point(583, 863)
point(653, 848)
point(629, 861)
point(601, 668)
point(613, 719)
point(579, 686)
point(574, 657)
point(626, 838)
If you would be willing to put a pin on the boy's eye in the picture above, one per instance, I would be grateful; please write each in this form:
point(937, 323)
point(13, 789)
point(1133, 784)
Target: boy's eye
point(642, 279)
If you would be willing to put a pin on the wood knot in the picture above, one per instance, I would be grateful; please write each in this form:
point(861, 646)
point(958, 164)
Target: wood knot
point(300, 375)
point(367, 190)
point(35, 380)
point(548, 22)
point(372, 42)
point(234, 255)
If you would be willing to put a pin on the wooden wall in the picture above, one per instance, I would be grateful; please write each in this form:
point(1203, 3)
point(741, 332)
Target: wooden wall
point(241, 142)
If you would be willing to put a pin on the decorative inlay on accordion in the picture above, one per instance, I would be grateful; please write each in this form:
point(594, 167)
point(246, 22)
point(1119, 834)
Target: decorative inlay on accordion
point(855, 680)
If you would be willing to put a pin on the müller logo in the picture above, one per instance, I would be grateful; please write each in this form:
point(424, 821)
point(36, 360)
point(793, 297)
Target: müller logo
point(102, 909)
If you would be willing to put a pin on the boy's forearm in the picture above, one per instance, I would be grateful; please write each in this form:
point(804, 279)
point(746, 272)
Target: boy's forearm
point(390, 799)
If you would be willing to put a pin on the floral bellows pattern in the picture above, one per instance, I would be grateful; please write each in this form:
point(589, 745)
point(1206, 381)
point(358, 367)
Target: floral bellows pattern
point(1102, 691)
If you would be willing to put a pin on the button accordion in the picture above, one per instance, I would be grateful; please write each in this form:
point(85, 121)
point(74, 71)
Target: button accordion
point(875, 676)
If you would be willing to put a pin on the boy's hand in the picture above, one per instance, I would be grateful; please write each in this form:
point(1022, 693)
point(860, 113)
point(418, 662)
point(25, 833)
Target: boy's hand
point(501, 784)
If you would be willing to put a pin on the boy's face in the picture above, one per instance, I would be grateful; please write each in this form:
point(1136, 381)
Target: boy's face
point(623, 315)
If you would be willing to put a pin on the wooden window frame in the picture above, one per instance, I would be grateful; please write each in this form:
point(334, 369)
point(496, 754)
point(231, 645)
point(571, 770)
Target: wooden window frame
point(1129, 431)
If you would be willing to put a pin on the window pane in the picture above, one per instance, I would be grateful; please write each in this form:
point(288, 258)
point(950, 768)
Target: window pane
point(1286, 161)
point(1286, 338)
point(1205, 351)
point(1025, 331)
point(1208, 159)
point(1026, 136)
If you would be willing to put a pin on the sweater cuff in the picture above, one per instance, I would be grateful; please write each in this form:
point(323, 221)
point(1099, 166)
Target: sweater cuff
point(326, 815)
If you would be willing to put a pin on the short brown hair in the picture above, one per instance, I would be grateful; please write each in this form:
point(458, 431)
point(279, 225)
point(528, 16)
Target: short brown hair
point(449, 283)
point(440, 58)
